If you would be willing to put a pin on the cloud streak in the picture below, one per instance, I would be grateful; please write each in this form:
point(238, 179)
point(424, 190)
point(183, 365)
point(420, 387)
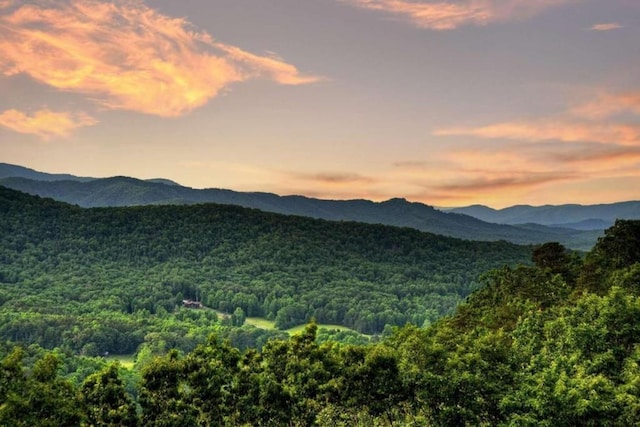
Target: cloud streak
point(608, 105)
point(594, 121)
point(510, 181)
point(606, 27)
point(125, 55)
point(448, 15)
point(550, 130)
point(332, 179)
point(593, 141)
point(45, 123)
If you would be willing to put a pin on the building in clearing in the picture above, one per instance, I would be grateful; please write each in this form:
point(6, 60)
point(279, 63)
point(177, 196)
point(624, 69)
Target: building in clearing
point(188, 303)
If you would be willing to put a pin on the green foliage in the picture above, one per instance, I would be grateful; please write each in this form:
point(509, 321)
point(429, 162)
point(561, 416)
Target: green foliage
point(112, 280)
point(618, 249)
point(106, 401)
point(40, 398)
point(556, 259)
point(531, 346)
point(575, 363)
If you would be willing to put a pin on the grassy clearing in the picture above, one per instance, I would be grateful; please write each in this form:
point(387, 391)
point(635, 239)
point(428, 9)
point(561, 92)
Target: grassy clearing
point(222, 315)
point(260, 322)
point(300, 328)
point(126, 360)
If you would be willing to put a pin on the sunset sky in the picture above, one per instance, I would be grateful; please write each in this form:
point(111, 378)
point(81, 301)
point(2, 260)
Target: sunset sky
point(446, 102)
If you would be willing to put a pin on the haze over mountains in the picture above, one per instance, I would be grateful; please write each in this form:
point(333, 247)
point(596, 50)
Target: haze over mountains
point(574, 226)
point(579, 217)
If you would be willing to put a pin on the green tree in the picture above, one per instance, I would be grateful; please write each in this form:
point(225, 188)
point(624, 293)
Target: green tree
point(555, 258)
point(164, 395)
point(238, 317)
point(41, 399)
point(105, 400)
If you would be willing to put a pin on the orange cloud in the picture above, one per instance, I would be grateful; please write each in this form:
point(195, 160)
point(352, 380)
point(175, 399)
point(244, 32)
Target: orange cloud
point(606, 27)
point(592, 122)
point(45, 123)
point(511, 181)
point(607, 105)
point(125, 55)
point(333, 179)
point(594, 153)
point(447, 15)
point(490, 170)
point(279, 71)
point(551, 130)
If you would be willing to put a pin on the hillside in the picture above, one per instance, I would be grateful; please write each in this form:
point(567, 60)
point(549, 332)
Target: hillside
point(554, 343)
point(89, 268)
point(124, 191)
point(581, 217)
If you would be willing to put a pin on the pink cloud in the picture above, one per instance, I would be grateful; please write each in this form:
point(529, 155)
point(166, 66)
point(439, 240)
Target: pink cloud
point(125, 55)
point(606, 27)
point(331, 178)
point(607, 105)
point(551, 130)
point(45, 123)
point(511, 181)
point(447, 15)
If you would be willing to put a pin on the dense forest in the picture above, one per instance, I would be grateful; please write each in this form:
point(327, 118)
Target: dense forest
point(554, 343)
point(91, 281)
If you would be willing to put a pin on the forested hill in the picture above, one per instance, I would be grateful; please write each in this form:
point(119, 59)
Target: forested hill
point(87, 263)
point(553, 343)
point(124, 191)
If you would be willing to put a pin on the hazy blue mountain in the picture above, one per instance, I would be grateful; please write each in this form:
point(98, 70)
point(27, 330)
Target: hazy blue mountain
point(8, 170)
point(581, 217)
point(124, 191)
point(14, 171)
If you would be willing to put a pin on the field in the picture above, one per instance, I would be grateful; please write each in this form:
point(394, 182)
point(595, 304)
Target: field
point(262, 323)
point(125, 360)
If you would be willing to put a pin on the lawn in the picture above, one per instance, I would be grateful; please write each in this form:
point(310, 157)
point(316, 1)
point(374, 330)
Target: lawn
point(262, 323)
point(126, 360)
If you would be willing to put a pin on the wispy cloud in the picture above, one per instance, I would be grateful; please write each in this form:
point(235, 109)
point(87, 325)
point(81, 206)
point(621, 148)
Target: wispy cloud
point(596, 140)
point(593, 161)
point(607, 105)
point(593, 121)
point(515, 180)
point(447, 15)
point(550, 130)
point(606, 156)
point(125, 55)
point(327, 185)
point(485, 171)
point(331, 178)
point(606, 27)
point(45, 123)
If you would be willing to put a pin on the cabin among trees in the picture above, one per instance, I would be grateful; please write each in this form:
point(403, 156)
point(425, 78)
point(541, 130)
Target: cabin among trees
point(188, 303)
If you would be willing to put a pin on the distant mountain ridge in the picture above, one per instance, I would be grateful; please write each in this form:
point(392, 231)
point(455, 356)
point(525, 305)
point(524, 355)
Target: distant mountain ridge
point(125, 191)
point(14, 171)
point(584, 217)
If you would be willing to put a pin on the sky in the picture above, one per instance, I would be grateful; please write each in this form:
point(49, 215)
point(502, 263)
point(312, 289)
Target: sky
point(445, 102)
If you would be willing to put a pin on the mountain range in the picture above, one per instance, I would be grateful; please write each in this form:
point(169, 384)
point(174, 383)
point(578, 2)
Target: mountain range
point(580, 217)
point(471, 223)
